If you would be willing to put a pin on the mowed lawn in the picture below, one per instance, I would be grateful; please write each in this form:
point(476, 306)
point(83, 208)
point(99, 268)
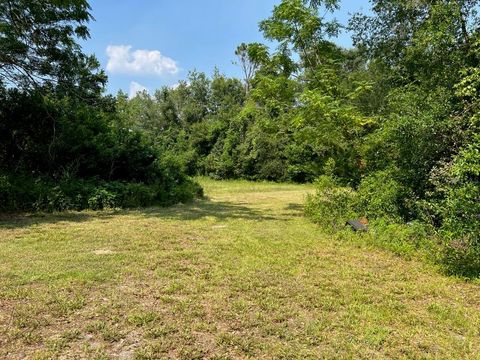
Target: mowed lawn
point(240, 275)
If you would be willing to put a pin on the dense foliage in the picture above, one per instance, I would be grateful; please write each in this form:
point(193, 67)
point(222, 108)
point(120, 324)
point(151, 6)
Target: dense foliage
point(62, 143)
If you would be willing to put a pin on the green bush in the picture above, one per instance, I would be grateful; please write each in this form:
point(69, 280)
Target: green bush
point(133, 195)
point(455, 246)
point(102, 199)
point(23, 193)
point(460, 212)
point(381, 196)
point(53, 199)
point(461, 207)
point(187, 191)
point(461, 256)
point(331, 205)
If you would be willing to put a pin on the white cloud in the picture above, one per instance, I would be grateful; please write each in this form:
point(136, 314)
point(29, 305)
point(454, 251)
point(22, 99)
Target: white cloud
point(122, 60)
point(136, 88)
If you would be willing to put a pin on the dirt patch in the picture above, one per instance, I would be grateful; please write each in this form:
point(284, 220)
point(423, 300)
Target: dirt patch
point(103, 252)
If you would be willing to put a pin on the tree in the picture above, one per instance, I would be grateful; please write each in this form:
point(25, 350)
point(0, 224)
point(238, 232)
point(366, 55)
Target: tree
point(427, 41)
point(297, 25)
point(38, 46)
point(251, 57)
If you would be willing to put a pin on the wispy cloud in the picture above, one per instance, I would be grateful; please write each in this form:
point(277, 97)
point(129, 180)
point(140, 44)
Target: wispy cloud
point(123, 60)
point(136, 88)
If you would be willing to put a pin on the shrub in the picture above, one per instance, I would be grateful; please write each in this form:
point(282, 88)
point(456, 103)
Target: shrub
point(378, 197)
point(187, 191)
point(53, 199)
point(102, 199)
point(28, 194)
point(461, 208)
point(331, 205)
point(381, 196)
point(131, 195)
point(460, 212)
point(461, 256)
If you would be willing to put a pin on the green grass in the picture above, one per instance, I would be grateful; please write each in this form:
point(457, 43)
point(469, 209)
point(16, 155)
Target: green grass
point(241, 274)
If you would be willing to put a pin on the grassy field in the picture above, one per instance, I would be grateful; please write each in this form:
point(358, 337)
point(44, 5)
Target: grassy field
point(239, 275)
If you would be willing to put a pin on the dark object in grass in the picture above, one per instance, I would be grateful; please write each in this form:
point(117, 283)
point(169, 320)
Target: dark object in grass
point(357, 225)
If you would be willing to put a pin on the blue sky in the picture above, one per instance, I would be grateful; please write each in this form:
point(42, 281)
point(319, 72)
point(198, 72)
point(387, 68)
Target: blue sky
point(151, 43)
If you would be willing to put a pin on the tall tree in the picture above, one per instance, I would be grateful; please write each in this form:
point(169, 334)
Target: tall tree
point(250, 58)
point(38, 46)
point(298, 26)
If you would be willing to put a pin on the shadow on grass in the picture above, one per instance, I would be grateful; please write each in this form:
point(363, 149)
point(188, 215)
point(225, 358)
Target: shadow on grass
point(184, 212)
point(203, 209)
point(294, 209)
point(13, 221)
